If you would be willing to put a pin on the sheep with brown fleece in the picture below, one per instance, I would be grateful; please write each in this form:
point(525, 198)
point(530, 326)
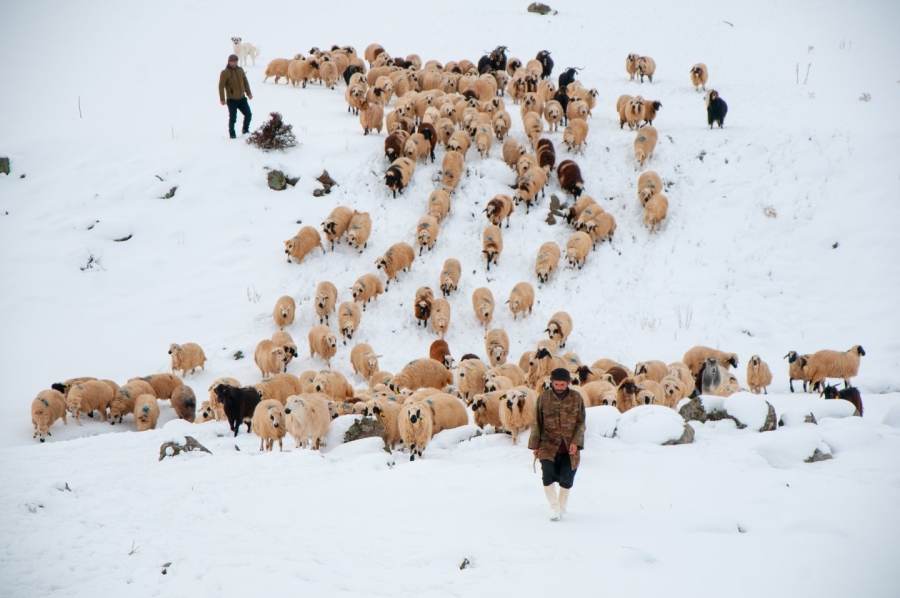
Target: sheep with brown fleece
point(302, 244)
point(575, 134)
point(422, 305)
point(650, 370)
point(517, 411)
point(146, 412)
point(577, 248)
point(569, 174)
point(559, 328)
point(452, 169)
point(322, 342)
point(398, 175)
point(336, 224)
point(371, 116)
point(797, 369)
point(499, 208)
point(699, 76)
point(648, 185)
point(486, 409)
point(834, 364)
point(626, 394)
point(307, 419)
point(697, 355)
point(546, 262)
point(47, 407)
point(333, 385)
point(644, 144)
point(439, 204)
point(492, 244)
point(281, 386)
point(162, 384)
point(440, 316)
point(395, 142)
point(366, 288)
point(399, 256)
point(521, 299)
point(681, 372)
point(533, 125)
point(364, 360)
point(530, 184)
point(414, 426)
point(348, 319)
point(496, 346)
point(512, 152)
point(421, 373)
point(440, 351)
point(122, 402)
point(646, 66)
point(427, 231)
point(184, 402)
point(188, 356)
point(759, 376)
point(269, 357)
point(651, 107)
point(283, 313)
point(87, 397)
point(470, 378)
point(631, 65)
point(359, 230)
point(278, 68)
point(483, 304)
point(268, 423)
point(326, 297)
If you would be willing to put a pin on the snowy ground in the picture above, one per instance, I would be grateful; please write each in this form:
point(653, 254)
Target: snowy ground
point(105, 99)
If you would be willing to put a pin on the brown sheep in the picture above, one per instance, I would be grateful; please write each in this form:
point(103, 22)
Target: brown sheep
point(326, 297)
point(440, 351)
point(399, 256)
point(422, 305)
point(366, 288)
point(302, 244)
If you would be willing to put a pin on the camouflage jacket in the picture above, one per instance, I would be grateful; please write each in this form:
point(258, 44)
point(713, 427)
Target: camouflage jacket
point(558, 419)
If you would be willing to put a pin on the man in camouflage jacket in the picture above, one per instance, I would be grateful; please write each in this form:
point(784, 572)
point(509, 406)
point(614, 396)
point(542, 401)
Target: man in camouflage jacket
point(233, 85)
point(557, 437)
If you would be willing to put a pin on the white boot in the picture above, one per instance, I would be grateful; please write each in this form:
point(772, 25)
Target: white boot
point(563, 499)
point(550, 491)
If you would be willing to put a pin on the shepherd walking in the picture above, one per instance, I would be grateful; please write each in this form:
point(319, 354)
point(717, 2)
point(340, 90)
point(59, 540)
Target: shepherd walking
point(557, 437)
point(233, 85)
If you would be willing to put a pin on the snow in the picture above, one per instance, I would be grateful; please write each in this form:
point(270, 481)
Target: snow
point(749, 409)
point(108, 105)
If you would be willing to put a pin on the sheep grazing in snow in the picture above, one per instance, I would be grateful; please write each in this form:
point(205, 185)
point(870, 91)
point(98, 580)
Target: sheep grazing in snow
point(491, 244)
point(648, 185)
point(452, 169)
point(366, 288)
point(575, 134)
point(371, 116)
point(336, 224)
point(577, 248)
point(440, 351)
point(570, 179)
point(696, 356)
point(279, 387)
point(631, 65)
point(359, 230)
point(426, 232)
point(269, 357)
point(333, 384)
point(414, 425)
point(47, 407)
point(146, 413)
point(655, 211)
point(364, 360)
point(399, 256)
point(470, 373)
point(496, 346)
point(499, 208)
point(188, 356)
point(440, 316)
point(399, 174)
point(87, 397)
point(834, 364)
point(513, 151)
point(646, 66)
point(559, 328)
point(123, 399)
point(486, 409)
point(348, 319)
point(439, 204)
point(326, 297)
point(759, 376)
point(421, 373)
point(644, 144)
point(278, 68)
point(184, 402)
point(268, 424)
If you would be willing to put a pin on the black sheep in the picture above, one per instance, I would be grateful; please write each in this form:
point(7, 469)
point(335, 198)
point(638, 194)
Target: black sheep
point(566, 77)
point(239, 403)
point(716, 108)
point(546, 63)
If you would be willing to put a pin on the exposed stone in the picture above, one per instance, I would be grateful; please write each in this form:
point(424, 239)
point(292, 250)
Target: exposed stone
point(818, 456)
point(540, 8)
point(686, 438)
point(277, 180)
point(4, 165)
point(364, 427)
point(771, 419)
point(190, 444)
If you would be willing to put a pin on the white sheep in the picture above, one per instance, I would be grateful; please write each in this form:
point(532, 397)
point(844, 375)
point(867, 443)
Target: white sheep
point(575, 134)
point(695, 357)
point(422, 373)
point(492, 244)
point(646, 66)
point(322, 342)
point(833, 364)
point(326, 297)
point(486, 409)
point(577, 248)
point(268, 424)
point(517, 411)
point(439, 204)
point(87, 397)
point(547, 261)
point(302, 244)
point(521, 299)
point(47, 407)
point(283, 313)
point(440, 316)
point(280, 386)
point(336, 224)
point(269, 357)
point(146, 412)
point(452, 168)
point(399, 256)
point(450, 276)
point(499, 208)
point(188, 356)
point(496, 345)
point(470, 378)
point(366, 288)
point(278, 68)
point(414, 425)
point(359, 230)
point(371, 116)
point(427, 231)
point(645, 143)
point(699, 76)
point(308, 418)
point(483, 304)
point(631, 65)
point(333, 385)
point(653, 369)
point(512, 152)
point(123, 399)
point(348, 319)
point(559, 328)
point(364, 360)
point(648, 185)
point(759, 376)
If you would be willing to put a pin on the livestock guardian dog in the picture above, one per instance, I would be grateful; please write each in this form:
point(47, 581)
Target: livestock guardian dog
point(245, 50)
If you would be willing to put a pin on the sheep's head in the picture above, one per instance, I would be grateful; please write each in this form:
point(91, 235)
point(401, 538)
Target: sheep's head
point(671, 386)
point(331, 340)
point(276, 417)
point(754, 361)
point(173, 348)
point(414, 415)
point(860, 350)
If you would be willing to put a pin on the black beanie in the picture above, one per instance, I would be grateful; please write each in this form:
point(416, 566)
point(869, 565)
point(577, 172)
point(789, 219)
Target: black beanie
point(560, 374)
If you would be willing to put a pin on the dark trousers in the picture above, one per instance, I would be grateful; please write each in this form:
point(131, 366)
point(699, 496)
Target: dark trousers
point(558, 470)
point(233, 106)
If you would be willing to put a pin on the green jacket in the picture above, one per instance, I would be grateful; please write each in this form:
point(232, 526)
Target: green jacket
point(558, 419)
point(233, 84)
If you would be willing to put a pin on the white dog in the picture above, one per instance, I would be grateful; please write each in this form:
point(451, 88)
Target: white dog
point(245, 49)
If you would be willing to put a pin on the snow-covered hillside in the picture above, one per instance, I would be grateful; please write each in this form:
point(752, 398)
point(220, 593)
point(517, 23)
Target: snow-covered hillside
point(109, 105)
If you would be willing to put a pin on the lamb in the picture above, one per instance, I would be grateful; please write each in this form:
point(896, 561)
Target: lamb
point(492, 244)
point(797, 369)
point(278, 68)
point(575, 134)
point(366, 288)
point(848, 394)
point(631, 65)
point(696, 356)
point(512, 152)
point(322, 342)
point(648, 185)
point(188, 356)
point(302, 244)
point(359, 230)
point(570, 179)
point(483, 304)
point(244, 50)
point(451, 170)
point(646, 66)
point(307, 419)
point(833, 364)
point(284, 311)
point(268, 423)
point(651, 107)
point(559, 328)
point(645, 143)
point(47, 407)
point(716, 108)
point(521, 298)
point(577, 248)
point(348, 320)
point(326, 296)
point(486, 409)
point(282, 386)
point(422, 305)
point(655, 211)
point(371, 116)
point(547, 261)
point(399, 174)
point(650, 370)
point(440, 316)
point(421, 373)
point(269, 357)
point(426, 232)
point(333, 384)
point(553, 113)
point(500, 207)
point(414, 425)
point(440, 351)
point(470, 375)
point(184, 402)
point(399, 256)
point(439, 204)
point(122, 402)
point(238, 403)
point(517, 411)
point(364, 360)
point(146, 412)
point(87, 397)
point(496, 345)
point(699, 76)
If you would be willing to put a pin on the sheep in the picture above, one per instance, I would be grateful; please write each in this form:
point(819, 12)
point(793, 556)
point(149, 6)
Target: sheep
point(268, 423)
point(644, 144)
point(283, 313)
point(414, 426)
point(447, 412)
point(470, 377)
point(797, 369)
point(381, 378)
point(650, 370)
point(440, 351)
point(601, 227)
point(209, 413)
point(833, 364)
point(570, 179)
point(577, 248)
point(517, 411)
point(650, 392)
point(655, 211)
point(492, 244)
point(238, 403)
point(188, 356)
point(353, 95)
point(574, 134)
point(699, 76)
point(422, 305)
point(162, 384)
point(122, 401)
point(673, 391)
point(496, 345)
point(532, 102)
point(87, 397)
point(576, 108)
point(372, 52)
point(850, 394)
point(547, 261)
point(366, 288)
point(146, 412)
point(546, 155)
point(440, 316)
point(421, 373)
point(426, 232)
point(417, 148)
point(364, 360)
point(399, 174)
point(626, 394)
point(394, 143)
point(322, 342)
point(588, 96)
point(281, 386)
point(681, 372)
point(501, 122)
point(759, 376)
point(590, 212)
point(521, 298)
point(512, 152)
point(651, 107)
point(534, 126)
point(543, 362)
point(299, 71)
point(529, 185)
point(451, 170)
point(696, 356)
point(631, 65)
point(559, 328)
point(483, 304)
point(47, 407)
point(278, 68)
point(648, 185)
point(460, 142)
point(326, 296)
point(445, 128)
point(371, 116)
point(646, 66)
point(511, 371)
point(716, 108)
point(526, 163)
point(439, 204)
point(399, 256)
point(302, 244)
point(493, 381)
point(184, 402)
point(595, 391)
point(307, 418)
point(269, 357)
point(486, 409)
point(332, 384)
point(359, 230)
point(498, 208)
point(348, 320)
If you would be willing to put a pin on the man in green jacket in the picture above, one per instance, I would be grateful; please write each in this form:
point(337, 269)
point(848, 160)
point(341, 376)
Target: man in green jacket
point(233, 85)
point(557, 437)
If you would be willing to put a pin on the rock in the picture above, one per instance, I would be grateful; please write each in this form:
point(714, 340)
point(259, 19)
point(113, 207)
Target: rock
point(170, 194)
point(171, 449)
point(277, 180)
point(4, 165)
point(686, 438)
point(365, 427)
point(771, 419)
point(796, 418)
point(818, 456)
point(326, 181)
point(539, 8)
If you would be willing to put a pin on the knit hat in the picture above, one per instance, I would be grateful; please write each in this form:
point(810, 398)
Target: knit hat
point(233, 58)
point(560, 374)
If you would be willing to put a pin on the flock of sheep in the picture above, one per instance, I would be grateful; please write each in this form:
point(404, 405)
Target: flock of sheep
point(456, 105)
